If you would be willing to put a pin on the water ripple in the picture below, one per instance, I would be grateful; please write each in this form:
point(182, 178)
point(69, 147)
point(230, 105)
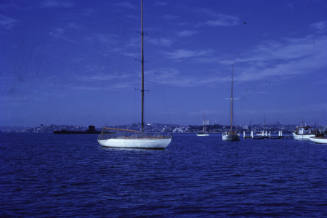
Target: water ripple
point(58, 175)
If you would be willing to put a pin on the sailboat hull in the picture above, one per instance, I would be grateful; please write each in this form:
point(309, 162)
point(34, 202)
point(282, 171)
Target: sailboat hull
point(202, 134)
point(318, 140)
point(145, 143)
point(229, 137)
point(302, 136)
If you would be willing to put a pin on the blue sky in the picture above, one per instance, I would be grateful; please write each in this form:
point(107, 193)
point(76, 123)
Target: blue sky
point(78, 62)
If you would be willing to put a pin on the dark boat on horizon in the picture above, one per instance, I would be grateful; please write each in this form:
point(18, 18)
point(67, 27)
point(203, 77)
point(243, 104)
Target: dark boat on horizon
point(90, 130)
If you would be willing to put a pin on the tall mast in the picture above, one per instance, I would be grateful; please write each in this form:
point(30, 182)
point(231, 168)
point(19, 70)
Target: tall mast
point(231, 100)
point(204, 127)
point(142, 61)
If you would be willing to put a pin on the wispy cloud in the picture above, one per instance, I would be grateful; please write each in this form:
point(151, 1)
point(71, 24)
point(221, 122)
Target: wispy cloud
point(103, 77)
point(223, 20)
point(181, 54)
point(59, 33)
point(284, 58)
point(170, 17)
point(7, 22)
point(92, 87)
point(186, 33)
point(160, 3)
point(205, 11)
point(160, 41)
point(110, 43)
point(217, 19)
point(57, 4)
point(125, 4)
point(7, 5)
point(66, 32)
point(88, 12)
point(174, 77)
point(103, 38)
point(73, 25)
point(133, 42)
point(320, 26)
point(100, 78)
point(168, 76)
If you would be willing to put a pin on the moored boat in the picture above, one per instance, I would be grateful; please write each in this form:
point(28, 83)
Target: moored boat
point(303, 133)
point(319, 140)
point(231, 135)
point(133, 138)
point(202, 134)
point(204, 131)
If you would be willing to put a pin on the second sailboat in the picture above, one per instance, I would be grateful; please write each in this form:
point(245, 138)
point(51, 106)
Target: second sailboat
point(231, 135)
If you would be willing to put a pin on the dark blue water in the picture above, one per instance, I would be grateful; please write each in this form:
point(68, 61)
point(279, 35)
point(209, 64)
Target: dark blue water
point(71, 175)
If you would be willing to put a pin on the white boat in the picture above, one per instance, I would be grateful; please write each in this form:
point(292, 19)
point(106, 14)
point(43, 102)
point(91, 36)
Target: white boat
point(318, 140)
point(302, 137)
point(202, 134)
point(124, 138)
point(204, 131)
point(231, 135)
point(260, 135)
point(129, 142)
point(303, 133)
point(132, 138)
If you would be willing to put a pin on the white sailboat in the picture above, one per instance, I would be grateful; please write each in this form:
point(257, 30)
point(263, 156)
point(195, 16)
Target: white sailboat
point(319, 140)
point(231, 135)
point(131, 138)
point(204, 131)
point(303, 133)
